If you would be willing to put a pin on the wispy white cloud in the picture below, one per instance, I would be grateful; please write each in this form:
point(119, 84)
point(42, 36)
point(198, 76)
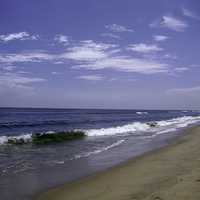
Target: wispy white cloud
point(91, 77)
point(55, 73)
point(171, 23)
point(184, 91)
point(15, 78)
point(195, 66)
point(111, 35)
point(18, 36)
point(160, 38)
point(118, 28)
point(174, 23)
point(144, 48)
point(88, 50)
point(17, 83)
point(170, 56)
point(8, 67)
point(113, 79)
point(26, 57)
point(189, 13)
point(181, 69)
point(58, 62)
point(62, 39)
point(23, 72)
point(15, 86)
point(126, 64)
point(97, 56)
point(177, 71)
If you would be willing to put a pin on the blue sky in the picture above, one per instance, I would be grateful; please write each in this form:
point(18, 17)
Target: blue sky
point(132, 54)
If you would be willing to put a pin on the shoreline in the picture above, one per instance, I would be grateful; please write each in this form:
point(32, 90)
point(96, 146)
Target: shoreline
point(163, 173)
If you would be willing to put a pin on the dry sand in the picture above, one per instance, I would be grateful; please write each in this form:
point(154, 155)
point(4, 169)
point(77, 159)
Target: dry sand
point(170, 173)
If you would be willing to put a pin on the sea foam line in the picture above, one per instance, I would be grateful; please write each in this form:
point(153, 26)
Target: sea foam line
point(99, 150)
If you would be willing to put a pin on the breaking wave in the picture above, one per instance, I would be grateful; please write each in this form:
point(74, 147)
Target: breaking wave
point(42, 138)
point(136, 127)
point(142, 113)
point(26, 137)
point(157, 127)
point(129, 128)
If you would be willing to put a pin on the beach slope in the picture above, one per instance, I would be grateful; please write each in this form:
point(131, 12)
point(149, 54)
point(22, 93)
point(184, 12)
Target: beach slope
point(170, 173)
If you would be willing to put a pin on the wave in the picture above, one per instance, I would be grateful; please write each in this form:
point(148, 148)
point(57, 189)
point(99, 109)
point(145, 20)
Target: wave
point(129, 128)
point(138, 127)
point(180, 121)
point(42, 138)
point(157, 127)
point(142, 113)
point(5, 139)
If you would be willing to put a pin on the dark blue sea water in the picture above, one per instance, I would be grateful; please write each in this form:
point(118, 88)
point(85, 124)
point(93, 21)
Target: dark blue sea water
point(112, 136)
point(17, 121)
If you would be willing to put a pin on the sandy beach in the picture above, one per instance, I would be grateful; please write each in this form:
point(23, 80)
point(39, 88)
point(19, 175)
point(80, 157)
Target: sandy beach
point(170, 173)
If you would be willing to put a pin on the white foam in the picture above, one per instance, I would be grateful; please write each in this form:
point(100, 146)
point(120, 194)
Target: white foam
point(26, 137)
point(60, 162)
point(133, 127)
point(4, 139)
point(180, 122)
point(138, 127)
point(166, 131)
point(99, 150)
point(142, 113)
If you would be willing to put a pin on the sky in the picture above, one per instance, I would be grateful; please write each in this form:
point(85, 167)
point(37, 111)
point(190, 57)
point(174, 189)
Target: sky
point(130, 54)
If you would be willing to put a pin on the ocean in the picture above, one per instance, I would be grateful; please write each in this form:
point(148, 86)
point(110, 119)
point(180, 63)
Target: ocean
point(112, 137)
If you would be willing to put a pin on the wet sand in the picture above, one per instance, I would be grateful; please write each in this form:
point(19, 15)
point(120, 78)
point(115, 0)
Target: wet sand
point(170, 173)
